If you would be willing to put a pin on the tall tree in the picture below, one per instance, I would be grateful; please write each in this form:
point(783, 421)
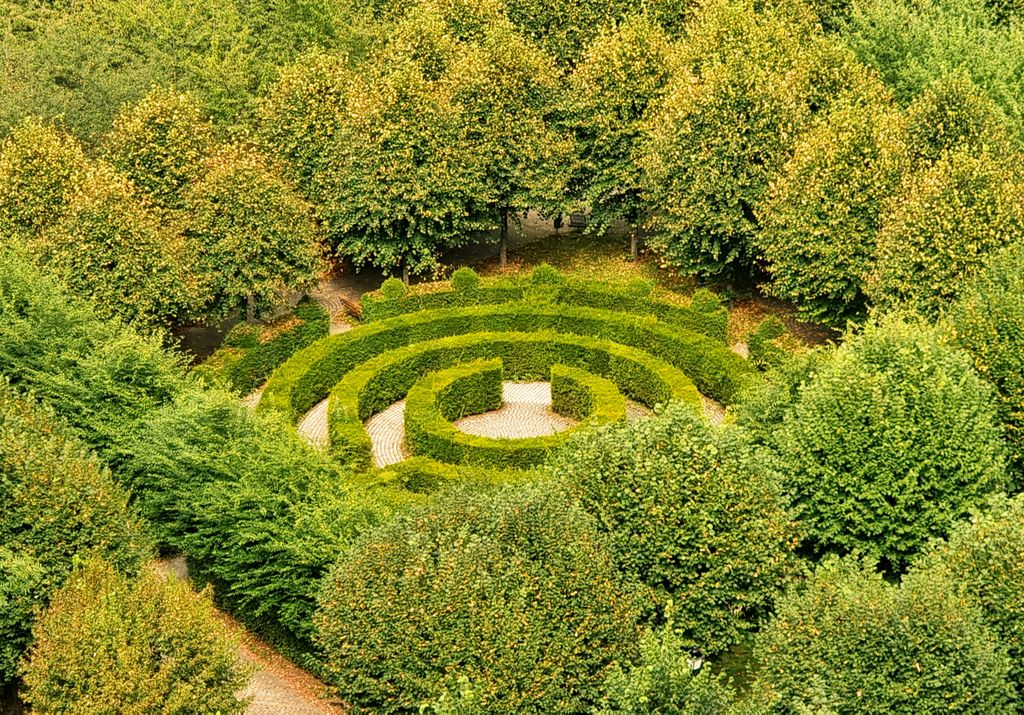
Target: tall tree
point(257, 236)
point(623, 73)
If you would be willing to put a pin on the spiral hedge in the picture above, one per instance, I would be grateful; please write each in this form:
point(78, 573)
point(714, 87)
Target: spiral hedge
point(595, 357)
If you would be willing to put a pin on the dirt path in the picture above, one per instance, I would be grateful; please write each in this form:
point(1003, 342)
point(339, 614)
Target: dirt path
point(277, 687)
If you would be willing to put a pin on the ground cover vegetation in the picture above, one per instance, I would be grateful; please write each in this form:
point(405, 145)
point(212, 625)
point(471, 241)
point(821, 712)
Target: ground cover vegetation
point(847, 540)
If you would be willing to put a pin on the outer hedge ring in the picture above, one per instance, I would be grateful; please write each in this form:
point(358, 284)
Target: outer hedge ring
point(309, 375)
point(384, 380)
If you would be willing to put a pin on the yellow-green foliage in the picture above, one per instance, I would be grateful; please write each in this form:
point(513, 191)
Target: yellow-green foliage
point(820, 221)
point(846, 641)
point(149, 645)
point(743, 90)
point(41, 169)
point(939, 228)
point(985, 558)
point(113, 248)
point(257, 235)
point(160, 143)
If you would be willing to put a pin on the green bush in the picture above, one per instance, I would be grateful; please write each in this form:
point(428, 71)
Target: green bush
point(544, 274)
point(848, 641)
point(41, 169)
point(149, 645)
point(692, 514)
point(943, 224)
point(664, 681)
point(470, 388)
point(464, 280)
point(892, 440)
point(251, 352)
point(309, 375)
point(59, 506)
point(988, 322)
point(393, 289)
point(384, 380)
point(761, 345)
point(21, 590)
point(99, 376)
point(985, 560)
point(704, 315)
point(260, 514)
point(511, 590)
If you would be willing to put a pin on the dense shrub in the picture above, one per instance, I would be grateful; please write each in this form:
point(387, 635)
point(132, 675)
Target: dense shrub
point(464, 279)
point(762, 344)
point(511, 590)
point(692, 514)
point(258, 237)
point(393, 289)
point(664, 681)
point(893, 438)
point(251, 352)
point(99, 376)
point(59, 506)
point(821, 219)
point(259, 513)
point(954, 113)
point(111, 247)
point(41, 169)
point(147, 645)
point(848, 641)
point(160, 144)
point(988, 322)
point(985, 560)
point(939, 229)
point(21, 590)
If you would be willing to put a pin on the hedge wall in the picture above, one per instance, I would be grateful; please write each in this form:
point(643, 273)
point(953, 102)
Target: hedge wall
point(309, 375)
point(388, 378)
point(245, 361)
point(705, 315)
point(470, 388)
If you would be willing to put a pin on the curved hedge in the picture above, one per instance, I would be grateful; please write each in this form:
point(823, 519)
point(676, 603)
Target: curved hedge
point(384, 380)
point(247, 358)
point(308, 376)
point(705, 315)
point(471, 388)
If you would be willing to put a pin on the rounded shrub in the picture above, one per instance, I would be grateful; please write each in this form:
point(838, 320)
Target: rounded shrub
point(891, 440)
point(939, 229)
point(393, 289)
point(465, 279)
point(988, 322)
point(847, 641)
point(691, 514)
point(985, 560)
point(148, 645)
point(545, 274)
point(511, 590)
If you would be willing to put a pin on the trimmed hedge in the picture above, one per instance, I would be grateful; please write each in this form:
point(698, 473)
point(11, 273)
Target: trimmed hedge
point(245, 361)
point(471, 388)
point(388, 378)
point(308, 376)
point(705, 315)
point(422, 475)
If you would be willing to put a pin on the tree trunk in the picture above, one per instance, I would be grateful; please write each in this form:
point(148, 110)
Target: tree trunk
point(405, 271)
point(633, 242)
point(503, 251)
point(250, 308)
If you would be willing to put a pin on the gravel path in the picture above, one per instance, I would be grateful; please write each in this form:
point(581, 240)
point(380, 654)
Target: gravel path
point(277, 687)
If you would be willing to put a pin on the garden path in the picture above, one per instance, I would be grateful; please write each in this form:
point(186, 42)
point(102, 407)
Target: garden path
point(277, 686)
